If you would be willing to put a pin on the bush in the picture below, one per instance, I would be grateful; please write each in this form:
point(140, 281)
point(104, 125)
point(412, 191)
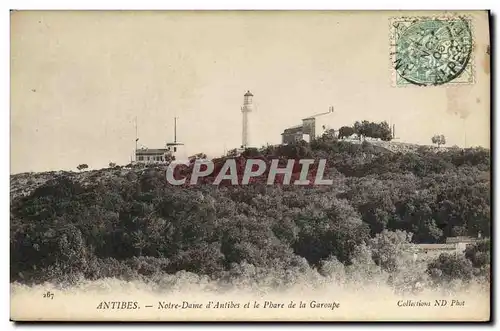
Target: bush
point(390, 248)
point(448, 267)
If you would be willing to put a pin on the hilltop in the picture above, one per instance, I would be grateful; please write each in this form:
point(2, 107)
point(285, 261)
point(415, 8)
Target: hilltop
point(23, 184)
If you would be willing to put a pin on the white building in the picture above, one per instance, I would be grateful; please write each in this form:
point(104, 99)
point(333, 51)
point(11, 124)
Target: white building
point(316, 125)
point(453, 245)
point(172, 150)
point(312, 127)
point(152, 155)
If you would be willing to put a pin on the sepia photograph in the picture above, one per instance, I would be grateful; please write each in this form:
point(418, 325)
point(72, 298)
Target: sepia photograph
point(250, 165)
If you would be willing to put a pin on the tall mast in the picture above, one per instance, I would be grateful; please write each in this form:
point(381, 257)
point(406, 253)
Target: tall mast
point(175, 129)
point(465, 135)
point(136, 139)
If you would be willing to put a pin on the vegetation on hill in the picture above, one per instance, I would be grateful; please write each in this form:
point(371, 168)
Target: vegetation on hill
point(129, 222)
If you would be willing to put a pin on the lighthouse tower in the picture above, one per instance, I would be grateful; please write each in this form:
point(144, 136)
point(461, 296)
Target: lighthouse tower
point(245, 110)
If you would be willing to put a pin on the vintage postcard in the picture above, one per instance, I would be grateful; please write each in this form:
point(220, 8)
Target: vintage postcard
point(250, 166)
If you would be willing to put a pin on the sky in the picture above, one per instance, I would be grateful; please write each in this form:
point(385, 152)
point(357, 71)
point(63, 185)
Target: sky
point(80, 79)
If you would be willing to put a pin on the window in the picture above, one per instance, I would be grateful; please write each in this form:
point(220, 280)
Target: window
point(140, 158)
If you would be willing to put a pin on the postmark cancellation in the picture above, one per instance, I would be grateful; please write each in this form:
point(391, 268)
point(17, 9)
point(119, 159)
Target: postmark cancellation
point(431, 51)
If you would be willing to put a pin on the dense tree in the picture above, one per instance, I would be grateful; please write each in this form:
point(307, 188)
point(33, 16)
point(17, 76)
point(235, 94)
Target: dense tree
point(345, 131)
point(388, 248)
point(480, 256)
point(368, 129)
point(438, 139)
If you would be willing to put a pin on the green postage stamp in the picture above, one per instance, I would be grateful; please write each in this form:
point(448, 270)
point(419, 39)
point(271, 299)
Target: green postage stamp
point(431, 51)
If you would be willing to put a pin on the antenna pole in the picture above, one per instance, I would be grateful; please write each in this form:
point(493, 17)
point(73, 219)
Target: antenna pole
point(465, 135)
point(175, 129)
point(136, 138)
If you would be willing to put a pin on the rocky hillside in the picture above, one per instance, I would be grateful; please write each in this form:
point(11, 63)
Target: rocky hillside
point(127, 219)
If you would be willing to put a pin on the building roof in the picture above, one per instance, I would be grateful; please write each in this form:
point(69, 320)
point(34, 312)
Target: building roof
point(248, 94)
point(436, 246)
point(151, 151)
point(460, 239)
point(317, 115)
point(175, 144)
